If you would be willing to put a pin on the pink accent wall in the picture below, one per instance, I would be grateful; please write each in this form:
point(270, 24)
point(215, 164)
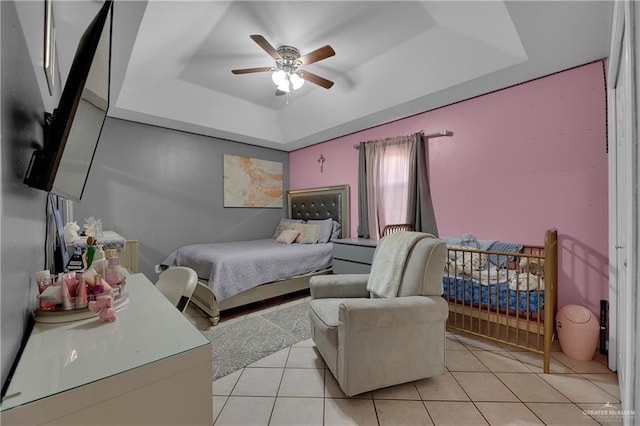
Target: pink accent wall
point(521, 160)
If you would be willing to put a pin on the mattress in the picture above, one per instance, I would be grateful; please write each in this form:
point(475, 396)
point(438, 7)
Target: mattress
point(495, 295)
point(233, 267)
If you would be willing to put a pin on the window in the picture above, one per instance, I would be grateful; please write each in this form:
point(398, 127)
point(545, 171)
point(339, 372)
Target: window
point(393, 186)
point(390, 183)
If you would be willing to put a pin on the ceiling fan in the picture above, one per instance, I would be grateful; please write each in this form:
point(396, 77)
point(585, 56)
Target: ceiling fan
point(287, 73)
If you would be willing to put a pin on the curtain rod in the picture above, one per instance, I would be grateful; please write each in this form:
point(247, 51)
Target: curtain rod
point(430, 135)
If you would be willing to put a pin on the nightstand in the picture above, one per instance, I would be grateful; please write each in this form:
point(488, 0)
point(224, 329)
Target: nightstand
point(353, 255)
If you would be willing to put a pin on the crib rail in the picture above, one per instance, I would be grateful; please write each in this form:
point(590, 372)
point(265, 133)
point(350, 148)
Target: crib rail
point(509, 298)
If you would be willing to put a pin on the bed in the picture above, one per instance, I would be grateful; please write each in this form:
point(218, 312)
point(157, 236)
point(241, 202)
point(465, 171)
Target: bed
point(234, 274)
point(504, 292)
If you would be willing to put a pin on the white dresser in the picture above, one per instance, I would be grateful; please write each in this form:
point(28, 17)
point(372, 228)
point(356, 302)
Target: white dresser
point(150, 366)
point(353, 255)
point(127, 248)
point(129, 256)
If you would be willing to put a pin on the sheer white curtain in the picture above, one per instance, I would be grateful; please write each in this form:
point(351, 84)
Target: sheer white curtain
point(393, 185)
point(390, 182)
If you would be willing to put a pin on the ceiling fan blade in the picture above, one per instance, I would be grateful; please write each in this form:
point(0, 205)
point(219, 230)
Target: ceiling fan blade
point(317, 55)
point(262, 42)
point(316, 79)
point(250, 70)
point(280, 92)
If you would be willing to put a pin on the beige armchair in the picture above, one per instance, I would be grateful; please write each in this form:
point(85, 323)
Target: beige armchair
point(370, 342)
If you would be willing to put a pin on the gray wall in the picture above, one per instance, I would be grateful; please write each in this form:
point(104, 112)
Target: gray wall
point(159, 186)
point(23, 209)
point(165, 189)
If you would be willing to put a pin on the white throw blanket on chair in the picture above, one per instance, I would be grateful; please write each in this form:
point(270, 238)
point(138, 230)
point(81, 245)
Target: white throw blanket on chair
point(389, 260)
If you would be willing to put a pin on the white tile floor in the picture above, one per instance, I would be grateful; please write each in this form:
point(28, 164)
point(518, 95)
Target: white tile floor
point(485, 383)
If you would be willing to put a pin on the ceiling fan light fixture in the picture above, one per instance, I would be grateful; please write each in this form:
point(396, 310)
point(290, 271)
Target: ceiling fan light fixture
point(296, 81)
point(284, 87)
point(287, 74)
point(279, 78)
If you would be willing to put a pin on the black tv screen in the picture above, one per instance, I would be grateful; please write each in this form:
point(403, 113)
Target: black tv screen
point(73, 130)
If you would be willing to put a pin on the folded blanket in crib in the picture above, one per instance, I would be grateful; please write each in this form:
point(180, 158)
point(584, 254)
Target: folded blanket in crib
point(469, 241)
point(503, 247)
point(526, 281)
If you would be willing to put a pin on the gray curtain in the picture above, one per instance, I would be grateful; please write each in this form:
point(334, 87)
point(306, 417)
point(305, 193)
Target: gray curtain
point(424, 219)
point(363, 203)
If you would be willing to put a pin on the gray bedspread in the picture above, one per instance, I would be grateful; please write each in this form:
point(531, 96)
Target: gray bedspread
point(233, 267)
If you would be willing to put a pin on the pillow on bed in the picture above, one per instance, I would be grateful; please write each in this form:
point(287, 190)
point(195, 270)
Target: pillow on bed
point(285, 224)
point(325, 231)
point(287, 236)
point(335, 232)
point(309, 234)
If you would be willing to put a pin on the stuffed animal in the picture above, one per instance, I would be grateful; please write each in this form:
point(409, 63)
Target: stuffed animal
point(71, 232)
point(103, 305)
point(533, 266)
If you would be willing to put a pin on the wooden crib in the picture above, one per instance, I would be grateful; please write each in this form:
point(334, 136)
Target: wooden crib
point(508, 297)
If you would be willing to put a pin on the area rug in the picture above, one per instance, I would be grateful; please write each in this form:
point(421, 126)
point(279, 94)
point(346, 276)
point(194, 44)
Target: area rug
point(240, 343)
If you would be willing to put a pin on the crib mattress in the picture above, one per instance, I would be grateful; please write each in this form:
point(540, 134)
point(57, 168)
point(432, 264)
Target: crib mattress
point(496, 295)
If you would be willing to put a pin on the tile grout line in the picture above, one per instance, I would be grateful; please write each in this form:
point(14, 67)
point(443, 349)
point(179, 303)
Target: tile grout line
point(504, 384)
point(474, 403)
point(275, 399)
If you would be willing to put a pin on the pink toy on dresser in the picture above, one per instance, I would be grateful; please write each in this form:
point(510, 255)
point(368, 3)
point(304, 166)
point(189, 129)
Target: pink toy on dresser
point(103, 305)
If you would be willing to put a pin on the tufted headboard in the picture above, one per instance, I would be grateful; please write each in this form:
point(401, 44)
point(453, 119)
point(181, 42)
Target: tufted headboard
point(321, 203)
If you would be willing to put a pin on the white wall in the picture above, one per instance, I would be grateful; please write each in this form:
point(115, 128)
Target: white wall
point(624, 216)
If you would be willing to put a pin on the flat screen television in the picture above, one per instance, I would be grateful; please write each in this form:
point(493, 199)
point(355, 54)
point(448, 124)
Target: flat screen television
point(72, 132)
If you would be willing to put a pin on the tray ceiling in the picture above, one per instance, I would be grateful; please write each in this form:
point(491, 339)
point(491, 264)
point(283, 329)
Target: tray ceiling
point(172, 60)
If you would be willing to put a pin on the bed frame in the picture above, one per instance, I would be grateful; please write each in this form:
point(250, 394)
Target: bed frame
point(307, 204)
point(533, 331)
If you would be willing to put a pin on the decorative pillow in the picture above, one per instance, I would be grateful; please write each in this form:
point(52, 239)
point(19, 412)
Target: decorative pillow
point(285, 224)
point(325, 231)
point(335, 232)
point(309, 234)
point(287, 236)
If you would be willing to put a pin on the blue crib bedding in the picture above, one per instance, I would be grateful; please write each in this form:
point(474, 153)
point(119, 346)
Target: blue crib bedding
point(495, 295)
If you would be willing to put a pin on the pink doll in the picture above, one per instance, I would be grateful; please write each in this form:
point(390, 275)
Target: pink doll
point(103, 305)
